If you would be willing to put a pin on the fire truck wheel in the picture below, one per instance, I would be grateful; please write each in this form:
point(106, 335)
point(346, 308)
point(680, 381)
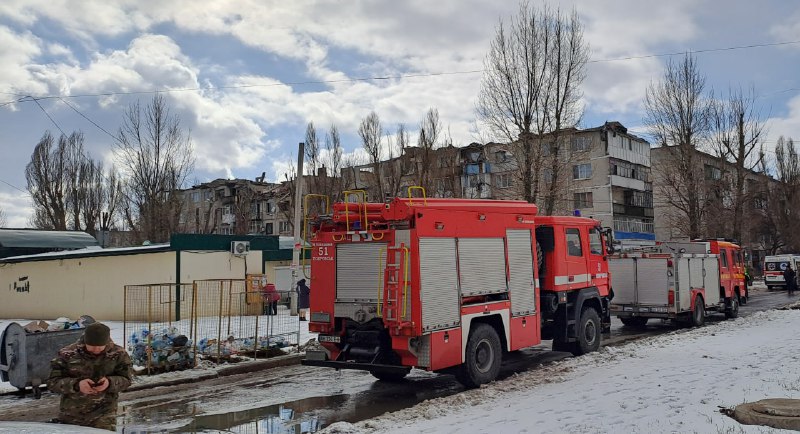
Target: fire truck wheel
point(635, 322)
point(699, 312)
point(733, 308)
point(588, 332)
point(482, 359)
point(390, 377)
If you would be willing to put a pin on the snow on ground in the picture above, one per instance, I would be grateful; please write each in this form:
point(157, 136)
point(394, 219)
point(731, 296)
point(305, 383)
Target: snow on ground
point(674, 382)
point(117, 335)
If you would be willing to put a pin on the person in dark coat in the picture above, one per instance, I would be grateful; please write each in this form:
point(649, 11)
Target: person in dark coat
point(303, 296)
point(89, 375)
point(791, 279)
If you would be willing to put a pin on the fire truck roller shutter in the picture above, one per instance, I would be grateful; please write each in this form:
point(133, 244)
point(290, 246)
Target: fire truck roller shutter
point(438, 283)
point(520, 279)
point(684, 285)
point(623, 270)
point(482, 263)
point(358, 271)
point(711, 265)
point(652, 281)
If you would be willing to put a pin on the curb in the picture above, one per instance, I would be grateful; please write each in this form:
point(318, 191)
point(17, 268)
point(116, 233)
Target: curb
point(243, 368)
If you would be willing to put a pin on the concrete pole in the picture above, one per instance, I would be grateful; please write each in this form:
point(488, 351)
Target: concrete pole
point(298, 219)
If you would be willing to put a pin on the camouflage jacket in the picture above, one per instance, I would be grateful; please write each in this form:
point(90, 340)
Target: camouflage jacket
point(73, 364)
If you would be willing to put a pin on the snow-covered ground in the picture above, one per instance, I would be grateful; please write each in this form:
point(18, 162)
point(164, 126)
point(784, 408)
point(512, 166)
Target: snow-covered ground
point(672, 383)
point(116, 327)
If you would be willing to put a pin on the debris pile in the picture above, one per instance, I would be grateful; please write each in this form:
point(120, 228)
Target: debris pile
point(167, 349)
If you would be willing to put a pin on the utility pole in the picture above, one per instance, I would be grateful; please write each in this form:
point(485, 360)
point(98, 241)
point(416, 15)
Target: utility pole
point(298, 247)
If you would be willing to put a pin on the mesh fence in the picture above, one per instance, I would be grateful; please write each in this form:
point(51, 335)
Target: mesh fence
point(158, 325)
point(169, 327)
point(236, 317)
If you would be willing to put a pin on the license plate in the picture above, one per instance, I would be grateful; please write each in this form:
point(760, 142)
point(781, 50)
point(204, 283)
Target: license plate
point(326, 338)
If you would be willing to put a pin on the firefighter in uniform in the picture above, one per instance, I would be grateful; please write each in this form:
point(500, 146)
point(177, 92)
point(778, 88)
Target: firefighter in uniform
point(89, 375)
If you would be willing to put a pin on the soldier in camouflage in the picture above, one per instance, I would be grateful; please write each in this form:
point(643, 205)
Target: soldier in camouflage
point(89, 375)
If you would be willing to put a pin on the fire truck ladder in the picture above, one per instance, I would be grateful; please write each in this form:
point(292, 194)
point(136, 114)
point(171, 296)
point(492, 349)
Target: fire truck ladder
point(395, 283)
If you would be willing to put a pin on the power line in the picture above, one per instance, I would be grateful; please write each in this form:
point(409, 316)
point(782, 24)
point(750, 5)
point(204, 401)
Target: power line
point(706, 50)
point(85, 117)
point(14, 186)
point(48, 116)
point(394, 77)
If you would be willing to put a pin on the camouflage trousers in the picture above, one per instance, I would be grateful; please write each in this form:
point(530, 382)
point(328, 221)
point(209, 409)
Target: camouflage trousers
point(95, 413)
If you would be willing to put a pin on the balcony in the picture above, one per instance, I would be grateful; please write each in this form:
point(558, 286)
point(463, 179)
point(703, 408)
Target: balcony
point(630, 229)
point(631, 210)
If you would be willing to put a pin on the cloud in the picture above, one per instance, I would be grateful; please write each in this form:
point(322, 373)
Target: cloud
point(17, 208)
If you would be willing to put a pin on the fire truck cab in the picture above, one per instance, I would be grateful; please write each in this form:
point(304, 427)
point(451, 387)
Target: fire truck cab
point(449, 285)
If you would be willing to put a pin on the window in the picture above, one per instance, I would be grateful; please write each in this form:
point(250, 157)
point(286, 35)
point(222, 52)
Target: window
point(723, 257)
point(255, 227)
point(583, 200)
point(712, 173)
point(503, 180)
point(195, 196)
point(547, 149)
point(284, 227)
point(573, 239)
point(582, 171)
point(580, 144)
point(268, 229)
point(501, 156)
point(474, 181)
point(595, 242)
point(270, 207)
point(547, 175)
point(226, 210)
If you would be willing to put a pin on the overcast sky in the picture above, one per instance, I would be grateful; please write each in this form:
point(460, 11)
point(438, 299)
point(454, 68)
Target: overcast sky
point(264, 69)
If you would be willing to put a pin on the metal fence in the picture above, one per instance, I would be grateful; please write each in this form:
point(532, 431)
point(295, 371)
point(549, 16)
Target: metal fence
point(157, 326)
point(219, 319)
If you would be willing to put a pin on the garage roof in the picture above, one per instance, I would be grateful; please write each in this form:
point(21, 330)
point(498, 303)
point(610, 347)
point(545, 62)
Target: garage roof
point(31, 238)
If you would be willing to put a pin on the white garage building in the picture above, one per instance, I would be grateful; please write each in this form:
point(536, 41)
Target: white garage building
point(91, 281)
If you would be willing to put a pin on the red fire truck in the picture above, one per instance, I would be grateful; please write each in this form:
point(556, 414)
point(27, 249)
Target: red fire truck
point(679, 280)
point(449, 285)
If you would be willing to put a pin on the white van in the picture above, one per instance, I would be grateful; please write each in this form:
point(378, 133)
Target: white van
point(774, 266)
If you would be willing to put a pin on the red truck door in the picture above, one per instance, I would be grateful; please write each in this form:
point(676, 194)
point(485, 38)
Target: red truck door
point(596, 259)
point(576, 244)
point(725, 272)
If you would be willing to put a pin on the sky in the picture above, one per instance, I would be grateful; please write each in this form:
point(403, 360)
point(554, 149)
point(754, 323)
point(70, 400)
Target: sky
point(246, 77)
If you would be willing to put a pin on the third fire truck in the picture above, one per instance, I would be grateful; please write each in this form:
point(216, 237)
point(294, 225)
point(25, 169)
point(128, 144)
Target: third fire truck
point(680, 281)
point(450, 285)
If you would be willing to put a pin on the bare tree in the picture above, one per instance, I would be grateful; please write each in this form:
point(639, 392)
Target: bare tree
point(156, 159)
point(738, 138)
point(69, 189)
point(531, 87)
point(371, 134)
point(400, 162)
point(784, 201)
point(677, 115)
point(430, 132)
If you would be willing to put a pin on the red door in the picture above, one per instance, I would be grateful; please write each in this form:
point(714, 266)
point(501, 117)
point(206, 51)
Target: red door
point(577, 247)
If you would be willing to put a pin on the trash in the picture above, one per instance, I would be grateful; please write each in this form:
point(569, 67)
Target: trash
point(166, 349)
point(36, 326)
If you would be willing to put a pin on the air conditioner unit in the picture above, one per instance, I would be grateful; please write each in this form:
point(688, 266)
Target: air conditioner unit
point(240, 248)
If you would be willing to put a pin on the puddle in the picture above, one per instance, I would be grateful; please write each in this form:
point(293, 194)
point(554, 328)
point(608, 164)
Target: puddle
point(307, 415)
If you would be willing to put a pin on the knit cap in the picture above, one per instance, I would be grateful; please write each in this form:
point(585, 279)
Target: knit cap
point(97, 334)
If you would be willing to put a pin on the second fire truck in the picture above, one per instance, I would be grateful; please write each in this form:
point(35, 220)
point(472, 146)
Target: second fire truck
point(450, 285)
